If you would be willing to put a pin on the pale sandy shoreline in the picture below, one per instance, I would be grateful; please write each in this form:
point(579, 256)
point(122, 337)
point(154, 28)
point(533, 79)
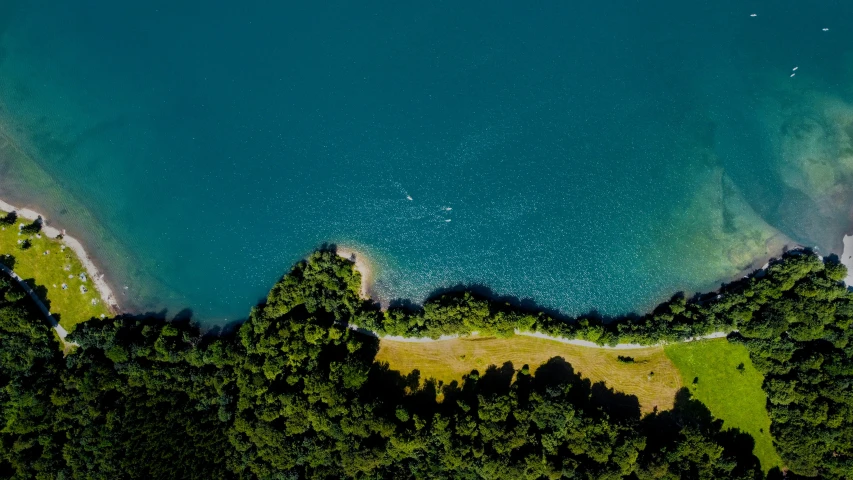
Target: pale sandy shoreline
point(101, 285)
point(362, 266)
point(847, 258)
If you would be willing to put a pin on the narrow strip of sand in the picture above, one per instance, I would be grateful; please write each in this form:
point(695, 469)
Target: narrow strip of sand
point(362, 266)
point(101, 285)
point(847, 258)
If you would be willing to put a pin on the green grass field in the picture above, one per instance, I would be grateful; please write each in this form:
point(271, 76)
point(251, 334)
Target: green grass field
point(708, 368)
point(449, 360)
point(734, 396)
point(51, 270)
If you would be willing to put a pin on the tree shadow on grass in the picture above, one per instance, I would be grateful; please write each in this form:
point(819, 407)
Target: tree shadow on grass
point(420, 396)
point(40, 291)
point(8, 260)
point(596, 396)
point(664, 431)
point(617, 404)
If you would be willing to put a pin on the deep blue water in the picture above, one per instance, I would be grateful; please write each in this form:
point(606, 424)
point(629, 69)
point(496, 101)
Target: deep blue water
point(582, 156)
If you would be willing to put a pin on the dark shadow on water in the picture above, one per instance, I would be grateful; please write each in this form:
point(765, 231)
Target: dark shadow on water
point(741, 283)
point(404, 304)
point(528, 305)
point(408, 395)
point(182, 316)
point(508, 302)
point(484, 291)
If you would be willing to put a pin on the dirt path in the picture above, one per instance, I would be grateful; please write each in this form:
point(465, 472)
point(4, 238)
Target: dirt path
point(56, 326)
point(96, 276)
point(569, 341)
point(361, 265)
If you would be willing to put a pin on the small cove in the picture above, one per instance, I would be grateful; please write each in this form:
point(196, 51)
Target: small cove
point(586, 157)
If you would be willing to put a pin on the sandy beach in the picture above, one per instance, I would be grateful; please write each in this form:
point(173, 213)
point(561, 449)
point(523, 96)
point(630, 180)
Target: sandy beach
point(97, 277)
point(847, 258)
point(362, 266)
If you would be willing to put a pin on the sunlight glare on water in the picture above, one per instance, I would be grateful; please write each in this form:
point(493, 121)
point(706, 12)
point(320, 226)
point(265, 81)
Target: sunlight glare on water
point(583, 156)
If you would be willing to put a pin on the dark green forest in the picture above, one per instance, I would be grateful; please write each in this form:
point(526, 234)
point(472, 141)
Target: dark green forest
point(295, 393)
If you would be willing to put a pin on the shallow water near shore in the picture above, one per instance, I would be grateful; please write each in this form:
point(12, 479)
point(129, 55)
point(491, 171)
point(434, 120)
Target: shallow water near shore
point(580, 156)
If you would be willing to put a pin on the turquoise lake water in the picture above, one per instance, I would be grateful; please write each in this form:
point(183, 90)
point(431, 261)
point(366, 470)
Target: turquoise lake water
point(585, 157)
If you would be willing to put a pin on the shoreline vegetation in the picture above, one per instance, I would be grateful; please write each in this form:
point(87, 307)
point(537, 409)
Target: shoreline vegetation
point(294, 393)
point(101, 286)
point(344, 279)
point(585, 331)
point(362, 265)
point(451, 360)
point(776, 247)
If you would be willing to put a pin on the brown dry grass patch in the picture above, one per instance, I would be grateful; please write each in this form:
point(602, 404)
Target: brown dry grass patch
point(449, 360)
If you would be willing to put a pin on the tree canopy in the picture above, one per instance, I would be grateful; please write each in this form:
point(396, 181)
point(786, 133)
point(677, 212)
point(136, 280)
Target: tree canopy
point(294, 392)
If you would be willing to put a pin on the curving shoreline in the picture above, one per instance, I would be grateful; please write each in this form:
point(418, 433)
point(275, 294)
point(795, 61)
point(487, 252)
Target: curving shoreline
point(847, 258)
point(362, 266)
point(569, 341)
point(101, 285)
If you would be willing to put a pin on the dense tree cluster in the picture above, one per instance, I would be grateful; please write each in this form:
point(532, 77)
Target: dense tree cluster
point(801, 342)
point(30, 365)
point(794, 317)
point(678, 319)
point(294, 392)
point(31, 228)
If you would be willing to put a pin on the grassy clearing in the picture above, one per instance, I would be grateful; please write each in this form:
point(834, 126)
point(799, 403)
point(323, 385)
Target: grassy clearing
point(50, 271)
point(733, 395)
point(449, 360)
